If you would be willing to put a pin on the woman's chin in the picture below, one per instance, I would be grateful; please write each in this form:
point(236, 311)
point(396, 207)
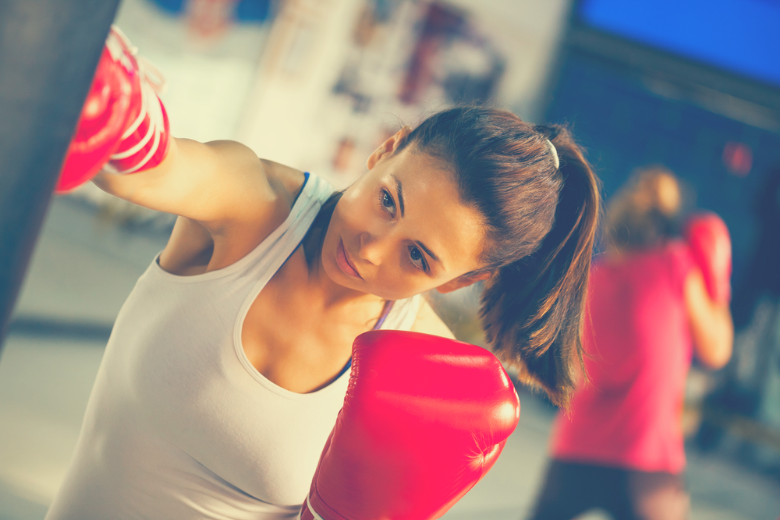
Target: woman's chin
point(338, 277)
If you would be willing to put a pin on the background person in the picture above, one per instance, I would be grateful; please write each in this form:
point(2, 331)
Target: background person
point(653, 301)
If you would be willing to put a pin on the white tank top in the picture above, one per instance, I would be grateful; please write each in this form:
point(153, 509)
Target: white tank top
point(180, 425)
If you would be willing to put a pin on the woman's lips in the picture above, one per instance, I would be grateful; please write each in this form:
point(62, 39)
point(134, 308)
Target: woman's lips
point(343, 261)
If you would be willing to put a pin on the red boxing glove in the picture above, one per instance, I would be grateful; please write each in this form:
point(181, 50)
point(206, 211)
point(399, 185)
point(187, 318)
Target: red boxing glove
point(424, 420)
point(710, 243)
point(123, 120)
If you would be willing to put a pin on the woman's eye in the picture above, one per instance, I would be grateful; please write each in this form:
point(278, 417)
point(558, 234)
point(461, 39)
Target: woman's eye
point(418, 260)
point(387, 201)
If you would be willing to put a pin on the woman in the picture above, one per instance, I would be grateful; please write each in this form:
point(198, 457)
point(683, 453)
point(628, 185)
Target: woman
point(228, 363)
point(620, 447)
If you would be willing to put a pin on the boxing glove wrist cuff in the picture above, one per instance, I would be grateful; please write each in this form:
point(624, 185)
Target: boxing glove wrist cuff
point(311, 510)
point(144, 142)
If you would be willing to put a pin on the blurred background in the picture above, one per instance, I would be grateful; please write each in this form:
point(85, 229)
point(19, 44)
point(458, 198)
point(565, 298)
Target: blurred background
point(317, 84)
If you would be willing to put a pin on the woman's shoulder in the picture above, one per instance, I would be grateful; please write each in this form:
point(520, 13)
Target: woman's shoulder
point(671, 257)
point(428, 322)
point(284, 182)
point(196, 246)
point(680, 258)
point(281, 186)
point(275, 190)
point(676, 247)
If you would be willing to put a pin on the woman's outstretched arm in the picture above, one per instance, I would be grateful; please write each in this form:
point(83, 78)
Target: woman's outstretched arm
point(216, 182)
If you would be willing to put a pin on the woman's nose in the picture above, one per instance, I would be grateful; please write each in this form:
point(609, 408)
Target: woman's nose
point(372, 248)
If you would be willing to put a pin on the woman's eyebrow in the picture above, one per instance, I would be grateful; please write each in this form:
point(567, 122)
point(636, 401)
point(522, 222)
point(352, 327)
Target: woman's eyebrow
point(399, 193)
point(430, 253)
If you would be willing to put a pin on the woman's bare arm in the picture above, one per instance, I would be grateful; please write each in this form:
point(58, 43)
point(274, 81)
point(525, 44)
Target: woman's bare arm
point(215, 183)
point(711, 324)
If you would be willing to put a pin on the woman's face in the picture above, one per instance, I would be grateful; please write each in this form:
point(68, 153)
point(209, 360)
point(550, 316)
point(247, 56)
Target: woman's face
point(401, 229)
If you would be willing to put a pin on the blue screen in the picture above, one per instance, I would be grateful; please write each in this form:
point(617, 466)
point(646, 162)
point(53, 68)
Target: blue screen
point(741, 36)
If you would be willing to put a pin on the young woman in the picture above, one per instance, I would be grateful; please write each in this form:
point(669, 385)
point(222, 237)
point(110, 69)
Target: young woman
point(653, 301)
point(228, 363)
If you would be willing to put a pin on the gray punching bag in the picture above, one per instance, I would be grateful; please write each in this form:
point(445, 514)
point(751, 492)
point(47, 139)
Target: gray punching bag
point(49, 50)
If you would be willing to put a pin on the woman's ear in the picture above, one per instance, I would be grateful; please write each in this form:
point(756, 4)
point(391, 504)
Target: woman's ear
point(387, 147)
point(462, 281)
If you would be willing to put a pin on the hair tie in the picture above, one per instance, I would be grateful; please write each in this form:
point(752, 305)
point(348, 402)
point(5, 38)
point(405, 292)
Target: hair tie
point(554, 152)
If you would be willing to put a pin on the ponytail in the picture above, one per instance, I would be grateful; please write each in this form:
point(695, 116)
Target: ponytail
point(532, 309)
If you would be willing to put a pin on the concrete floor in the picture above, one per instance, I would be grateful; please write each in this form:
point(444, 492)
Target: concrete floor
point(82, 271)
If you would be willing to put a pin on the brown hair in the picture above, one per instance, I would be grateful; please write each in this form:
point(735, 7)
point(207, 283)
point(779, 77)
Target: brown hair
point(645, 211)
point(540, 221)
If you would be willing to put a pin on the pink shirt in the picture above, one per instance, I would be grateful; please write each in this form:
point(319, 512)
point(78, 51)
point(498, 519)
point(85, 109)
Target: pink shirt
point(638, 346)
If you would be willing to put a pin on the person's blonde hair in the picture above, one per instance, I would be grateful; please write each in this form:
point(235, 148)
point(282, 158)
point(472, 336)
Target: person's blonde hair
point(645, 210)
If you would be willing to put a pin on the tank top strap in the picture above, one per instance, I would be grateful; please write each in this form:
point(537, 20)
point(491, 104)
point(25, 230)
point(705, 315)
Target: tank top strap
point(273, 252)
point(402, 315)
